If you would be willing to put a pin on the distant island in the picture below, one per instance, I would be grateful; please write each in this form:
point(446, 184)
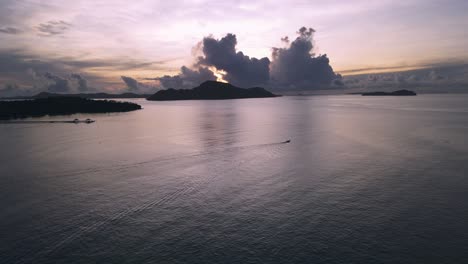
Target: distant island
point(82, 95)
point(61, 106)
point(211, 90)
point(395, 93)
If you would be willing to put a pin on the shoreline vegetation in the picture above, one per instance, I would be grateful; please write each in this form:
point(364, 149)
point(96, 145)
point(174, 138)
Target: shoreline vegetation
point(64, 105)
point(211, 90)
point(81, 95)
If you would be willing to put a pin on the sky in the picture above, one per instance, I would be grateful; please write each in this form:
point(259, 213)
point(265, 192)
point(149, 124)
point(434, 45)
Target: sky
point(141, 46)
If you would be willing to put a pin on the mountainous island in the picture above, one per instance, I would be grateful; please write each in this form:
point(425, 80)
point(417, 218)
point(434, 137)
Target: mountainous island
point(395, 93)
point(127, 95)
point(211, 90)
point(61, 106)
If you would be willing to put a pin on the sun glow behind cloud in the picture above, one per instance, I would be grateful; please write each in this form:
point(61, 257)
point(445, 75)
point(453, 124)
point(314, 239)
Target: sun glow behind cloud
point(218, 73)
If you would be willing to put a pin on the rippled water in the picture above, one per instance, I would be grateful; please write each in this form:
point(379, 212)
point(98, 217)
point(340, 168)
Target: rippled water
point(364, 180)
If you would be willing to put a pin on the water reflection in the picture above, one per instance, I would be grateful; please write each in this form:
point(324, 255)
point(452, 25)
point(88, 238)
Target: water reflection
point(361, 180)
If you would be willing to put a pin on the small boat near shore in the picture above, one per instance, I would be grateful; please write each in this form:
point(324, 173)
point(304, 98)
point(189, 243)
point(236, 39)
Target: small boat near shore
point(74, 121)
point(87, 121)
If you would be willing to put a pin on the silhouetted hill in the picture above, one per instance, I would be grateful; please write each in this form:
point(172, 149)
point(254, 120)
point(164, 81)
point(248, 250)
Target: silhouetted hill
point(211, 90)
point(83, 95)
point(61, 106)
point(395, 93)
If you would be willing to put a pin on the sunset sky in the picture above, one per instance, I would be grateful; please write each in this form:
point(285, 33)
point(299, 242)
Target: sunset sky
point(100, 41)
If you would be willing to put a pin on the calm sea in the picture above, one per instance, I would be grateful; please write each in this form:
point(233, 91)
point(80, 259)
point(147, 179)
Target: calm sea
point(363, 180)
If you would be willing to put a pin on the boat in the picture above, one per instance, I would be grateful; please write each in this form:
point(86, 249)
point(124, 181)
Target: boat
point(287, 141)
point(87, 121)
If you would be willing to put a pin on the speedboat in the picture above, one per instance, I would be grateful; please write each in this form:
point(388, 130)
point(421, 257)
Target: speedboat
point(88, 121)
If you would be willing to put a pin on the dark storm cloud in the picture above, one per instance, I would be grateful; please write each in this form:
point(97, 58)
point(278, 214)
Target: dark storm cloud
point(52, 28)
point(240, 69)
point(188, 78)
point(10, 30)
point(296, 67)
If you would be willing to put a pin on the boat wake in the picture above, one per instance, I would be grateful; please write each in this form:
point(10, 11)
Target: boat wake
point(268, 151)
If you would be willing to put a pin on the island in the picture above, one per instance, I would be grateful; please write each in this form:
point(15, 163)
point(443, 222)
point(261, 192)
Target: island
point(395, 93)
point(61, 106)
point(211, 90)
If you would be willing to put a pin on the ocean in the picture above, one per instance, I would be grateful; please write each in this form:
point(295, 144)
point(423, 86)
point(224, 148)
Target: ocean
point(363, 180)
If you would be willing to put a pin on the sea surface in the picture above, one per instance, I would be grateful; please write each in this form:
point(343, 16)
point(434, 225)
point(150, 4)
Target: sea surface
point(363, 180)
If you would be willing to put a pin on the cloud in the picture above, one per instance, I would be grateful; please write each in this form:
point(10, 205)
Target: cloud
point(240, 69)
point(52, 28)
point(433, 75)
point(446, 78)
point(10, 30)
point(81, 83)
point(50, 82)
point(10, 89)
point(56, 84)
point(188, 78)
point(17, 66)
point(131, 83)
point(292, 67)
point(34, 75)
point(297, 67)
point(219, 60)
point(73, 83)
point(135, 86)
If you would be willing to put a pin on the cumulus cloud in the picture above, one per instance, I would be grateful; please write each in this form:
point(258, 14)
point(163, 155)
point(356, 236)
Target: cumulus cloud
point(188, 78)
point(297, 67)
point(80, 82)
point(219, 59)
point(135, 86)
point(56, 84)
point(73, 83)
point(131, 83)
point(292, 67)
point(52, 28)
point(240, 69)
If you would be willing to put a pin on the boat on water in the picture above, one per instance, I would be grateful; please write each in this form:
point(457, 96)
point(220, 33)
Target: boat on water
point(74, 121)
point(87, 121)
